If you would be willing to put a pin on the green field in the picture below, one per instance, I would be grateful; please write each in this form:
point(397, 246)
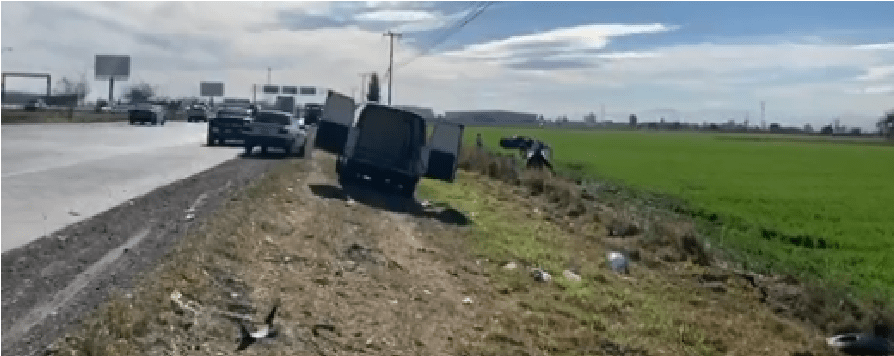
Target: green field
point(801, 205)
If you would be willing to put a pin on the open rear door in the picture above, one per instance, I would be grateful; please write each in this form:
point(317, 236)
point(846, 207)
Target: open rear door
point(336, 119)
point(444, 145)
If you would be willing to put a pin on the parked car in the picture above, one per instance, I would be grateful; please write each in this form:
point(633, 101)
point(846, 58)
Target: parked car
point(228, 124)
point(147, 113)
point(35, 105)
point(196, 113)
point(388, 146)
point(275, 129)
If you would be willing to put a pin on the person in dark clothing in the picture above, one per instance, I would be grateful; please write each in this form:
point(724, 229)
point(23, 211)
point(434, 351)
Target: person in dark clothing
point(478, 142)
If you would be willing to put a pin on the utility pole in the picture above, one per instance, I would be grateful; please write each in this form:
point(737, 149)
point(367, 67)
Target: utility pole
point(391, 62)
point(268, 76)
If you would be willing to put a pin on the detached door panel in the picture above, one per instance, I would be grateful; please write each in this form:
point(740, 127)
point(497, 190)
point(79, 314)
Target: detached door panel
point(444, 147)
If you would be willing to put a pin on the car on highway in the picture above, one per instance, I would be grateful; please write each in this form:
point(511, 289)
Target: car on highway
point(147, 113)
point(196, 113)
point(35, 105)
point(228, 124)
point(275, 129)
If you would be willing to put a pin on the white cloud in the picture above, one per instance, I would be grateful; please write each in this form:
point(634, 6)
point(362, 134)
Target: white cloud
point(878, 73)
point(884, 89)
point(584, 37)
point(877, 46)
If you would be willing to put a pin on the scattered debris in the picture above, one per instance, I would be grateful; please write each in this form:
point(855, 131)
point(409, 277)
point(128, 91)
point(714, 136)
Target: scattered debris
point(618, 262)
point(74, 213)
point(571, 276)
point(467, 300)
point(541, 275)
point(511, 266)
point(189, 217)
point(623, 228)
point(861, 344)
point(263, 332)
point(328, 327)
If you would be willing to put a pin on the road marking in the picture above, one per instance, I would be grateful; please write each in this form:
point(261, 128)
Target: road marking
point(61, 298)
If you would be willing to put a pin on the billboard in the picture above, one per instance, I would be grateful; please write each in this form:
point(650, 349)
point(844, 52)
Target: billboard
point(290, 90)
point(308, 91)
point(112, 66)
point(270, 89)
point(211, 89)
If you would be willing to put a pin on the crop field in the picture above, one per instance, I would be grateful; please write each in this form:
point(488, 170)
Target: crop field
point(822, 209)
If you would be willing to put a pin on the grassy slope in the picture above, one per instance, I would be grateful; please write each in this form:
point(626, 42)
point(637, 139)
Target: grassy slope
point(785, 191)
point(650, 311)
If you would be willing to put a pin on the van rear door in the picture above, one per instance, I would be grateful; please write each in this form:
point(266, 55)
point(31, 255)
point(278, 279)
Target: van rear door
point(335, 121)
point(443, 151)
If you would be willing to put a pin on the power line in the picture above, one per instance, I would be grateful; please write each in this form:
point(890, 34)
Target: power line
point(451, 31)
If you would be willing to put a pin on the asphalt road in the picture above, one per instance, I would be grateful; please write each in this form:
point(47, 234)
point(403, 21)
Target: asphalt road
point(54, 175)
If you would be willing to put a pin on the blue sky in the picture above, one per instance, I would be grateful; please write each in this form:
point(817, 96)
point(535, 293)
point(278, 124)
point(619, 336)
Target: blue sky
point(811, 62)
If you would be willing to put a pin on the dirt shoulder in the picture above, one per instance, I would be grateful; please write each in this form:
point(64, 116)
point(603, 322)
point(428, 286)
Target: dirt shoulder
point(51, 283)
point(354, 271)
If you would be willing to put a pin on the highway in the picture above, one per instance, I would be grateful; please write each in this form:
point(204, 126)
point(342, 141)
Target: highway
point(54, 175)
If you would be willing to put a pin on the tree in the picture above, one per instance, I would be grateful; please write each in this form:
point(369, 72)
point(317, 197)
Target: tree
point(373, 94)
point(79, 88)
point(139, 93)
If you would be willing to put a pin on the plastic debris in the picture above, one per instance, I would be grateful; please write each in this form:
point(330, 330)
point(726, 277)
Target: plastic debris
point(618, 262)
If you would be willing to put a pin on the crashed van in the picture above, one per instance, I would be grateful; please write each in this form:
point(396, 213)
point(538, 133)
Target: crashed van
point(388, 146)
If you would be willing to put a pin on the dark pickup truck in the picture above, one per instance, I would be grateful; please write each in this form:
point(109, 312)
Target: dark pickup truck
point(228, 124)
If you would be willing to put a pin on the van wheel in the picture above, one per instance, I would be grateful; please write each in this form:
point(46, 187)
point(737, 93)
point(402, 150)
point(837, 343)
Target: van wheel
point(263, 149)
point(248, 149)
point(210, 140)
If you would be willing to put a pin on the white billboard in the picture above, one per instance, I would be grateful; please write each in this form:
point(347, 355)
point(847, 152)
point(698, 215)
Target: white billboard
point(211, 89)
point(112, 66)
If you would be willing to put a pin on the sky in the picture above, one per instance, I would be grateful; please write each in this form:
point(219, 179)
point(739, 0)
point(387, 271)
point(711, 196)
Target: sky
point(809, 62)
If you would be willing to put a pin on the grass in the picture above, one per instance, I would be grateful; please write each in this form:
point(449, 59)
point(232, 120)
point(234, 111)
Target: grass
point(646, 312)
point(812, 207)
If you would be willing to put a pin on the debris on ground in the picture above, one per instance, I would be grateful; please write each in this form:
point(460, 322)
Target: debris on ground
point(571, 276)
point(511, 266)
point(265, 331)
point(541, 275)
point(618, 262)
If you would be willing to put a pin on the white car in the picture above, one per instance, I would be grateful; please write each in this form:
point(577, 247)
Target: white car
point(275, 129)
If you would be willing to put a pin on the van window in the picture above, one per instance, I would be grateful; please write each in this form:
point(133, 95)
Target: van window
point(272, 118)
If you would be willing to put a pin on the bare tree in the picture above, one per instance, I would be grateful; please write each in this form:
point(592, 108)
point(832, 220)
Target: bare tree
point(139, 93)
point(79, 88)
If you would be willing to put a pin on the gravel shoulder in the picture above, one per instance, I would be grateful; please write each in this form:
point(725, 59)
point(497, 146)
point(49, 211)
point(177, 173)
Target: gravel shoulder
point(52, 282)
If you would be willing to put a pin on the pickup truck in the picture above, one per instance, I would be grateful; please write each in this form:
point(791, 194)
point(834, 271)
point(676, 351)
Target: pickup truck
point(147, 113)
point(196, 113)
point(275, 129)
point(388, 146)
point(228, 124)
